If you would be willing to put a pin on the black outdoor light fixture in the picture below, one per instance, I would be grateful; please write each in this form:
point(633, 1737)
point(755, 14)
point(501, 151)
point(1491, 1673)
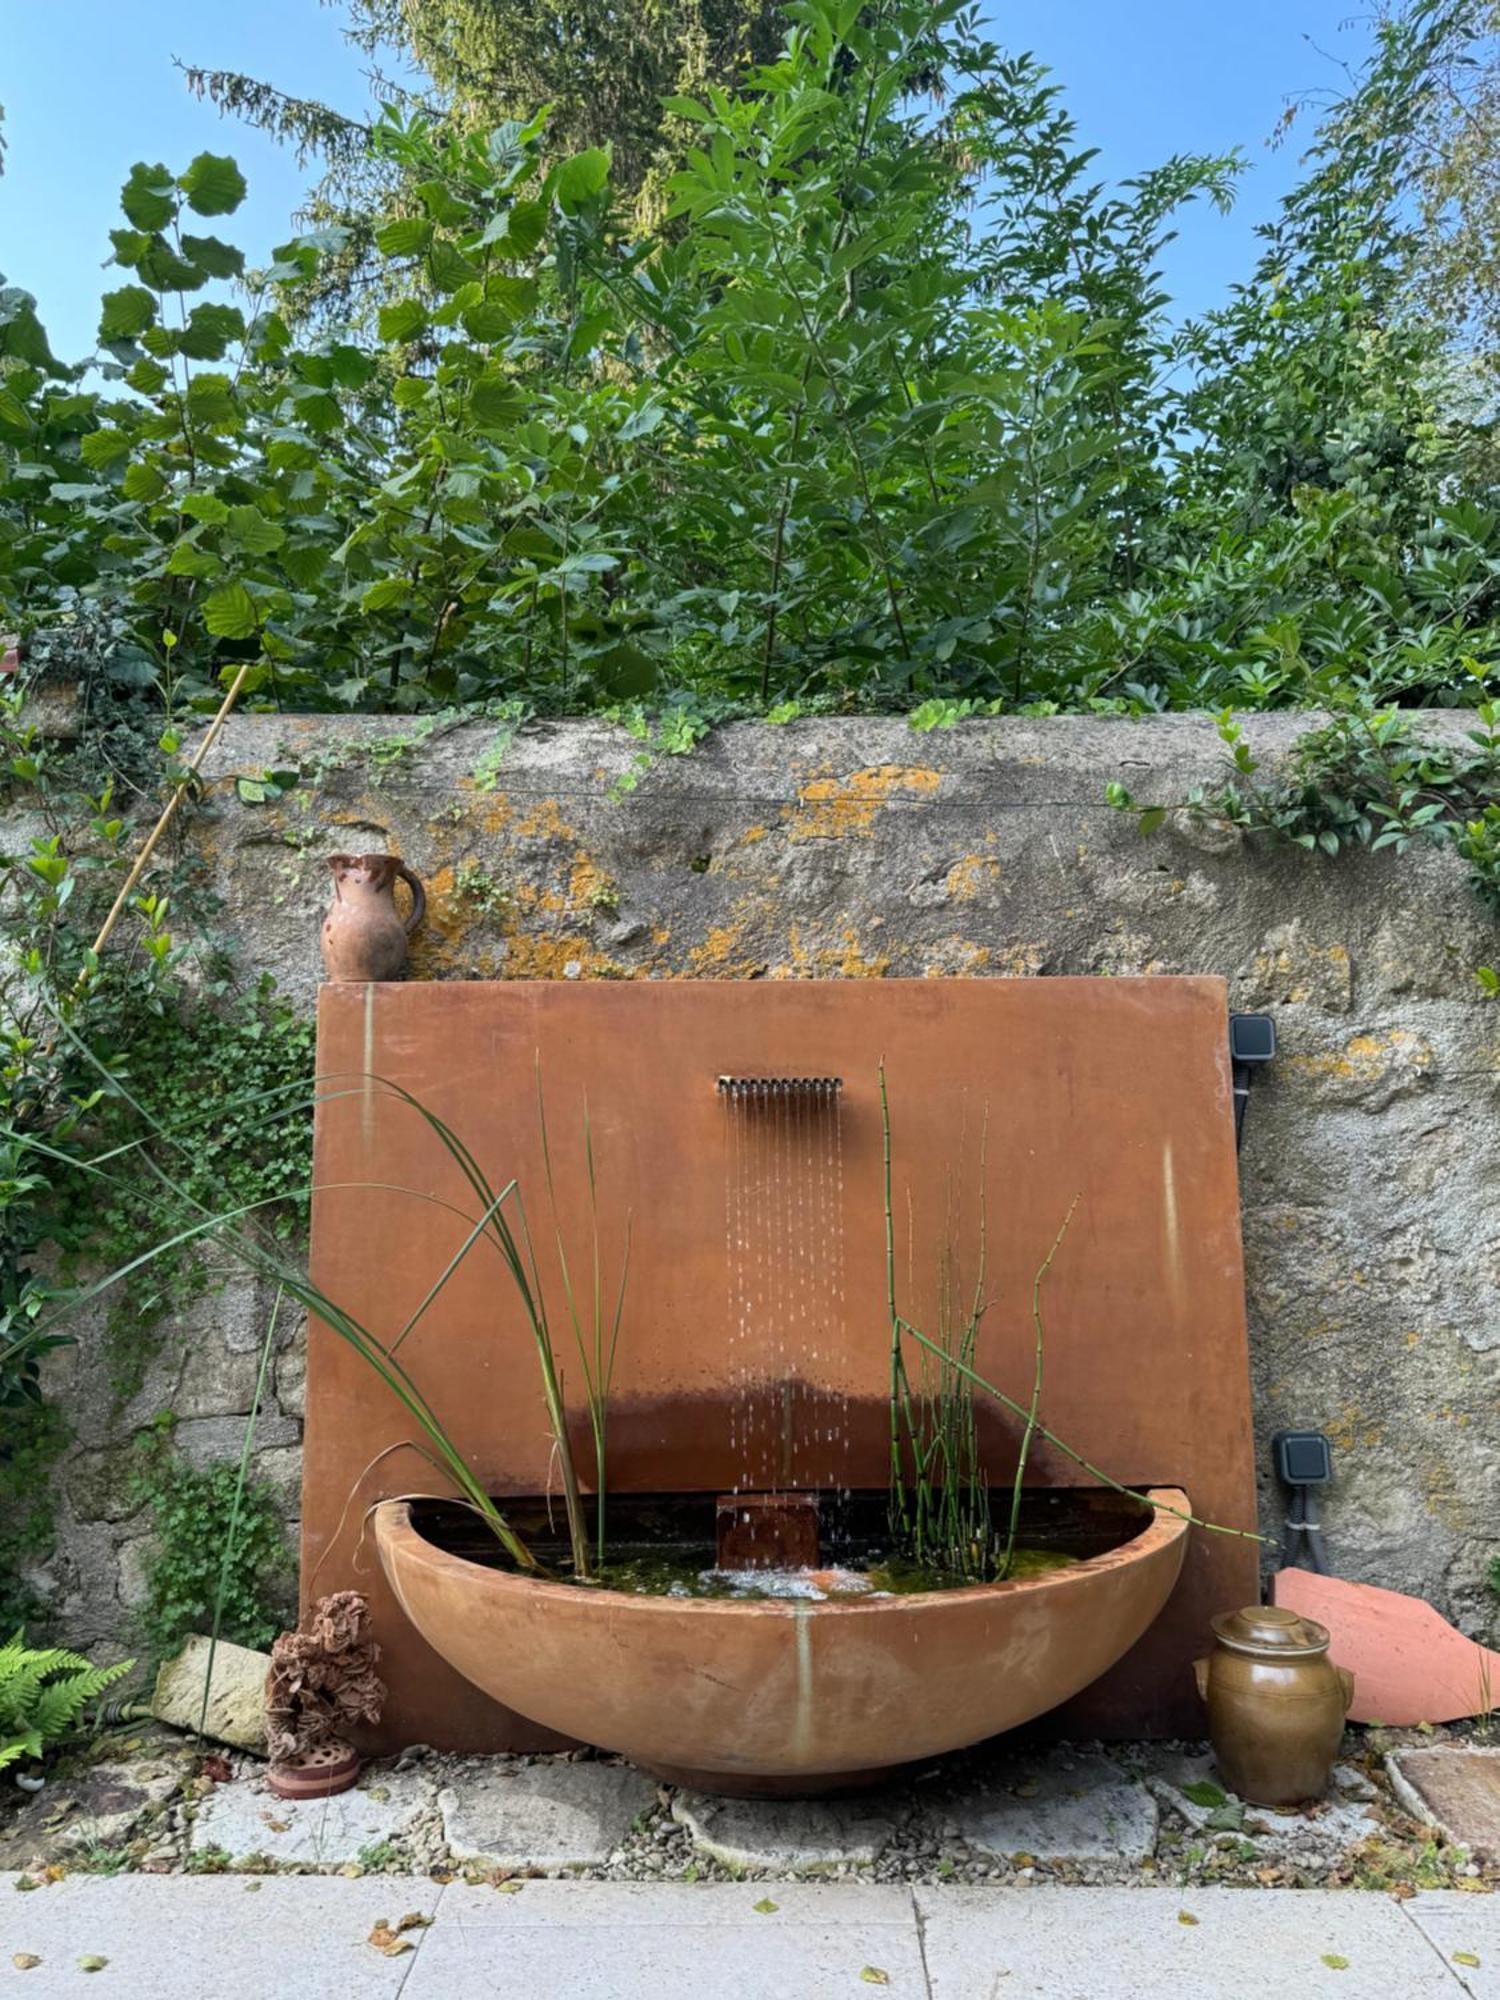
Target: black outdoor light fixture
point(1304, 1462)
point(1252, 1043)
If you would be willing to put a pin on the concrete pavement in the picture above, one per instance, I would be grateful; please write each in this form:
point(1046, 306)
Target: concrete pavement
point(287, 1937)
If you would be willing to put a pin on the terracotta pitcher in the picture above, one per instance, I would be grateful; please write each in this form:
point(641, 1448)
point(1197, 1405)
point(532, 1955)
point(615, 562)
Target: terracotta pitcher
point(364, 935)
point(1276, 1704)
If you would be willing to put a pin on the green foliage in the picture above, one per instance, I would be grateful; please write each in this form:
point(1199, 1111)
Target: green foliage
point(1369, 778)
point(42, 1695)
point(52, 893)
point(606, 72)
point(106, 1057)
point(192, 1509)
point(218, 1096)
point(887, 411)
point(1434, 86)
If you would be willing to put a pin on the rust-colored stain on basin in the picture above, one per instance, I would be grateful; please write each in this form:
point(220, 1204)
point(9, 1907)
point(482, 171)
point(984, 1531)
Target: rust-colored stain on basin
point(798, 1695)
point(729, 1377)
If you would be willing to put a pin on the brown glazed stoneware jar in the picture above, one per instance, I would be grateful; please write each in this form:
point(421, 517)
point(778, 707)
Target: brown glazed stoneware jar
point(1276, 1704)
point(364, 935)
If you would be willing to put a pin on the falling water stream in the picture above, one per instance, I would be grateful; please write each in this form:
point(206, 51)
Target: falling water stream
point(784, 1257)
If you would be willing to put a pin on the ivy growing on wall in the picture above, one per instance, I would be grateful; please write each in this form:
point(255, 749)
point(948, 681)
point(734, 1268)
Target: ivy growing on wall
point(114, 1060)
point(195, 1569)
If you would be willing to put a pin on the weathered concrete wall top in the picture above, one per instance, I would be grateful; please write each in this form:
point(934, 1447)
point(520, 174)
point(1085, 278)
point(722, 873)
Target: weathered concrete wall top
point(857, 849)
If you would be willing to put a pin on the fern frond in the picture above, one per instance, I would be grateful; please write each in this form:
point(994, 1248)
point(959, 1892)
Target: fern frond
point(43, 1691)
point(59, 1704)
point(29, 1745)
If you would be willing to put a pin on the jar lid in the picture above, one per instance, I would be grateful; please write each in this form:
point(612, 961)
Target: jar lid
point(1269, 1629)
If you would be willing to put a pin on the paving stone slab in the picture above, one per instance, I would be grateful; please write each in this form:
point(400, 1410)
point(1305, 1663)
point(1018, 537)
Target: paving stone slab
point(1310, 1837)
point(1134, 1944)
point(100, 1807)
point(207, 1937)
point(1459, 1928)
point(1456, 1789)
point(552, 1814)
point(1062, 1808)
point(792, 1834)
point(628, 1941)
point(244, 1818)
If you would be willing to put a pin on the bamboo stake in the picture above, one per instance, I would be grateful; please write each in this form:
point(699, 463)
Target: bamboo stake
point(153, 838)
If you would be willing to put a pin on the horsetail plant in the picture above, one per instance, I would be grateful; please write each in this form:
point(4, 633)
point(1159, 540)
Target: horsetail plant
point(597, 1346)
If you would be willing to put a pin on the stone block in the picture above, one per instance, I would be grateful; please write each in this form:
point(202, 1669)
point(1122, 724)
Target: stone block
point(792, 1836)
point(648, 1941)
point(1456, 1789)
point(554, 1813)
point(1062, 1808)
point(206, 1441)
point(236, 1711)
point(100, 1486)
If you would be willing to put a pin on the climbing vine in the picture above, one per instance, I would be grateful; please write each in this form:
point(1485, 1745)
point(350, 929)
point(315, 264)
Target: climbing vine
point(196, 1568)
point(151, 1054)
point(1370, 777)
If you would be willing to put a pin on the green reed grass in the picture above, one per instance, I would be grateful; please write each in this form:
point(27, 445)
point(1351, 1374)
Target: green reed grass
point(940, 1502)
point(236, 1231)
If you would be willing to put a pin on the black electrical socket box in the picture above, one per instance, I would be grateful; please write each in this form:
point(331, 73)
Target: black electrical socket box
point(1303, 1458)
point(1252, 1038)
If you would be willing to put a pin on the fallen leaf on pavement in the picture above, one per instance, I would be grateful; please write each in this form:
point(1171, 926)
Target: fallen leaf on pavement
point(875, 1975)
point(1466, 1958)
point(388, 1941)
point(765, 1906)
point(1186, 1917)
point(1335, 1962)
point(92, 1961)
point(1204, 1792)
point(25, 1960)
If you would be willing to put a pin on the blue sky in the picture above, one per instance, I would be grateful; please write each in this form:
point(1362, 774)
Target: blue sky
point(89, 88)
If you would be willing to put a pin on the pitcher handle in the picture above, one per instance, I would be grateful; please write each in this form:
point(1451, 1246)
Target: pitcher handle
point(418, 894)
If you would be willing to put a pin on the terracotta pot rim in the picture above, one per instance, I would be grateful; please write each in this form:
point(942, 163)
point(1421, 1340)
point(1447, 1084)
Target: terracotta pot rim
point(395, 1531)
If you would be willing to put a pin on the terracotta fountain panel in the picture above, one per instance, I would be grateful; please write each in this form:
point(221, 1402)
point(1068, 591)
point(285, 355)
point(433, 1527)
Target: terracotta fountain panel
point(753, 1349)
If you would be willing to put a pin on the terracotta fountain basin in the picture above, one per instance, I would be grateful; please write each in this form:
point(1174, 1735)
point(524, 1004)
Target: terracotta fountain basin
point(776, 1695)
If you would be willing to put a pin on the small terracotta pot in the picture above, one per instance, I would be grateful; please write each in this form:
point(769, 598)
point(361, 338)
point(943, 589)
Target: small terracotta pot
point(364, 935)
point(1276, 1704)
point(332, 1767)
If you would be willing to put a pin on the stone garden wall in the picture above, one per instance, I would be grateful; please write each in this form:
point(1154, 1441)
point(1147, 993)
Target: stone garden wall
point(856, 849)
